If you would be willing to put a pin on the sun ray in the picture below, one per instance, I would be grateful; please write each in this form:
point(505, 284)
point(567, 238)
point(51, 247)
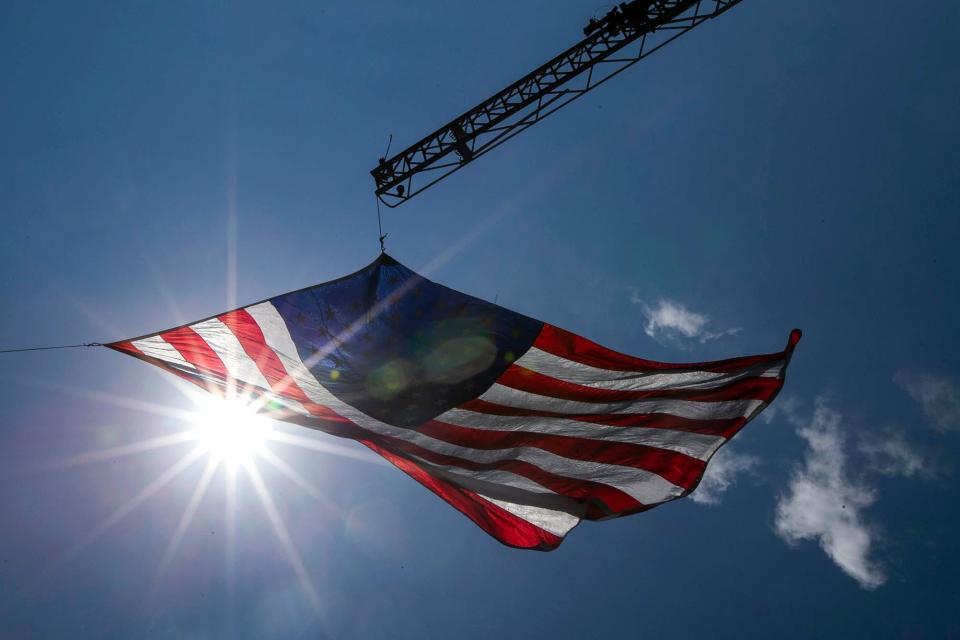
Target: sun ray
point(142, 446)
point(280, 529)
point(231, 230)
point(115, 516)
point(325, 447)
point(121, 401)
point(159, 281)
point(186, 518)
point(294, 476)
point(230, 548)
point(124, 510)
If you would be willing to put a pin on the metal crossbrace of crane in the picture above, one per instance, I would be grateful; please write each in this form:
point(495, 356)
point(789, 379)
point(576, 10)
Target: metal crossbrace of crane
point(627, 34)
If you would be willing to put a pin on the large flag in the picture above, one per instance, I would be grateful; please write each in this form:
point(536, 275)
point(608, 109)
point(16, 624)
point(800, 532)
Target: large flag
point(523, 427)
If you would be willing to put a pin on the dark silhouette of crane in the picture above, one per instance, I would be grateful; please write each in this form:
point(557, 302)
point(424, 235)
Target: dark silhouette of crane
point(625, 35)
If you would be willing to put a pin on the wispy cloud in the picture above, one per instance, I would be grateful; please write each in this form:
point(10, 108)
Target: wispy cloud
point(721, 474)
point(938, 397)
point(671, 322)
point(824, 504)
point(786, 407)
point(888, 453)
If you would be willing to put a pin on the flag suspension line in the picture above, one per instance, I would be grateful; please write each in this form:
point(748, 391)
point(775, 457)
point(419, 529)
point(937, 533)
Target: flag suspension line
point(382, 235)
point(63, 346)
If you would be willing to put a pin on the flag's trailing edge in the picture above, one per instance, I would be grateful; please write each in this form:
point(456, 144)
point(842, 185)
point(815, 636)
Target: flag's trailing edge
point(523, 427)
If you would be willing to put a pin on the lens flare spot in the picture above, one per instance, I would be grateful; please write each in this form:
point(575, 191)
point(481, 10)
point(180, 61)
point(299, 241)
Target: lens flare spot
point(390, 379)
point(460, 358)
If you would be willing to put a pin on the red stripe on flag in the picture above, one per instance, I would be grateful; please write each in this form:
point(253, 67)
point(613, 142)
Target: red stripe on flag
point(522, 379)
point(195, 350)
point(504, 526)
point(609, 500)
point(564, 344)
point(251, 338)
point(725, 428)
point(614, 499)
point(125, 346)
point(673, 466)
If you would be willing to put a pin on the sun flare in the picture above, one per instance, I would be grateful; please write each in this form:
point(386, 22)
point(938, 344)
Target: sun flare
point(235, 441)
point(229, 429)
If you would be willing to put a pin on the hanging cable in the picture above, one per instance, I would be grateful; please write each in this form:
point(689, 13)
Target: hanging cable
point(65, 346)
point(386, 154)
point(383, 236)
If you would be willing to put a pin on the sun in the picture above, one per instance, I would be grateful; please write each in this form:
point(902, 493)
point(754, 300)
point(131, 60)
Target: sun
point(229, 429)
point(235, 440)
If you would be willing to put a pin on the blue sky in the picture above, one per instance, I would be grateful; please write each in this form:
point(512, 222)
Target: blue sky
point(790, 164)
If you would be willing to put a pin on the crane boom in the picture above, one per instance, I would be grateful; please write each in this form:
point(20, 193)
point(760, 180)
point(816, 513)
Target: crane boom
point(605, 52)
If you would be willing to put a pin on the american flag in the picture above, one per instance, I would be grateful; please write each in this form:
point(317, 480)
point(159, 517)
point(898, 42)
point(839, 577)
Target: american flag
point(525, 428)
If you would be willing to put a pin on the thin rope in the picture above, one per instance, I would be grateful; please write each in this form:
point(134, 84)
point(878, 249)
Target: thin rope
point(386, 154)
point(65, 346)
point(383, 236)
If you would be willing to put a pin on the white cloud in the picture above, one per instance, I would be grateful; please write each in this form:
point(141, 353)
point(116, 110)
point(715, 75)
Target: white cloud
point(823, 504)
point(889, 454)
point(786, 407)
point(721, 474)
point(938, 397)
point(671, 321)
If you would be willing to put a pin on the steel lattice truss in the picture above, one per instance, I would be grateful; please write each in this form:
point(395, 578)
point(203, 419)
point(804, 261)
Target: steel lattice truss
point(626, 35)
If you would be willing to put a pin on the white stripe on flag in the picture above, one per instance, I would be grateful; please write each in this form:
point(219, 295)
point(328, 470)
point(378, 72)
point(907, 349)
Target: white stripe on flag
point(571, 371)
point(239, 364)
point(558, 523)
point(644, 486)
point(157, 347)
point(547, 507)
point(696, 445)
point(724, 410)
point(277, 338)
point(498, 477)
